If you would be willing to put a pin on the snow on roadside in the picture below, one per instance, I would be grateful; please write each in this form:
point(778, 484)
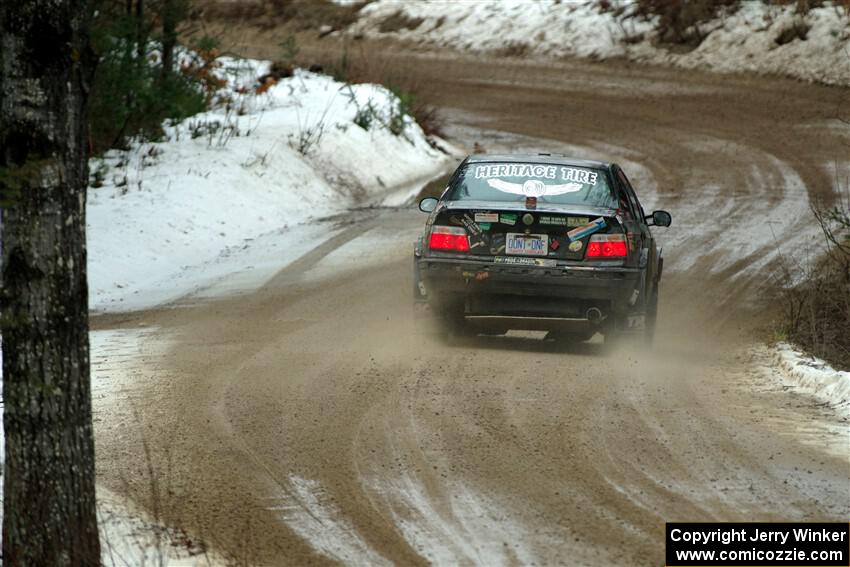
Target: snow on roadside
point(755, 38)
point(813, 376)
point(545, 27)
point(169, 215)
point(129, 538)
point(804, 374)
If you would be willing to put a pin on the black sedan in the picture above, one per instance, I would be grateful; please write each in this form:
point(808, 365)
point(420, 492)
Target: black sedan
point(539, 242)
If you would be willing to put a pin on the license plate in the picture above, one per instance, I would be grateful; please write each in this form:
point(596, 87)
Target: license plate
point(527, 244)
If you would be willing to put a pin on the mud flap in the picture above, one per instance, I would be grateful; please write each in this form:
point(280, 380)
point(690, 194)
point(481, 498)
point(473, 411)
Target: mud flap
point(635, 323)
point(426, 322)
point(628, 330)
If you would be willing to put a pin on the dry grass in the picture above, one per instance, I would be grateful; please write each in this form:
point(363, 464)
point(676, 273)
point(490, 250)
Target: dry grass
point(300, 14)
point(799, 29)
point(817, 310)
point(514, 49)
point(356, 62)
point(429, 119)
point(682, 23)
point(399, 21)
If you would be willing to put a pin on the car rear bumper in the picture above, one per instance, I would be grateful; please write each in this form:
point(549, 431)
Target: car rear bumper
point(491, 291)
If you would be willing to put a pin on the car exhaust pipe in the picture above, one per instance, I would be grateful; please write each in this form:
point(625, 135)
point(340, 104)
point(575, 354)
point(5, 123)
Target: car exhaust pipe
point(594, 315)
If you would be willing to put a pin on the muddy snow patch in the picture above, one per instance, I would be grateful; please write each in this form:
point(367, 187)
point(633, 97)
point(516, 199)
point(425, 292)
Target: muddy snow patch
point(120, 365)
point(460, 527)
point(812, 376)
point(368, 250)
point(129, 538)
point(315, 518)
point(775, 195)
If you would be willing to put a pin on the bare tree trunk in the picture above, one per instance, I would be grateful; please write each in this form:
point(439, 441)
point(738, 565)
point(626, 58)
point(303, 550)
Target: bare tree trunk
point(49, 515)
point(141, 35)
point(170, 17)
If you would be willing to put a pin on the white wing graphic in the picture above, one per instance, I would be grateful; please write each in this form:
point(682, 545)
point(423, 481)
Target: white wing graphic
point(505, 186)
point(561, 189)
point(533, 187)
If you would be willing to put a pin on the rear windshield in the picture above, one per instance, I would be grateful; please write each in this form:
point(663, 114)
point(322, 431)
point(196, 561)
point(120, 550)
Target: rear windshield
point(556, 184)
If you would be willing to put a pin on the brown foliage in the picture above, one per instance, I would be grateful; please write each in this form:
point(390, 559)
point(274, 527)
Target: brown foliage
point(362, 63)
point(682, 21)
point(429, 119)
point(301, 14)
point(399, 21)
point(817, 310)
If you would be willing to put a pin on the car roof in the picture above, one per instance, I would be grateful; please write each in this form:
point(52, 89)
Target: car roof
point(547, 158)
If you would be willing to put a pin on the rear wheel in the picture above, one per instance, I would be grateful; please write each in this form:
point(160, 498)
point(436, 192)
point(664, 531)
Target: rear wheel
point(449, 319)
point(455, 325)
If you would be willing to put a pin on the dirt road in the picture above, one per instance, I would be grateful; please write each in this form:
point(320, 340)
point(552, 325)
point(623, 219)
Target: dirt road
point(306, 424)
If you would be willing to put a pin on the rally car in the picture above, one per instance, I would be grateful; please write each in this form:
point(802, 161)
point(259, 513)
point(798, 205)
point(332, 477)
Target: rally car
point(539, 242)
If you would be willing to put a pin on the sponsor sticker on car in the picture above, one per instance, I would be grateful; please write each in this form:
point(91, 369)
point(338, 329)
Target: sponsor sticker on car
point(582, 231)
point(508, 218)
point(557, 221)
point(486, 217)
point(564, 221)
point(524, 261)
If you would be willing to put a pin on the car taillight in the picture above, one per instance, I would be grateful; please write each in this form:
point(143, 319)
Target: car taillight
point(449, 238)
point(607, 246)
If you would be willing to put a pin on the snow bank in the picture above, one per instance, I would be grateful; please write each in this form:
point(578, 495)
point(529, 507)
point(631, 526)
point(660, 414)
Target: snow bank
point(747, 40)
point(166, 213)
point(814, 376)
point(544, 27)
point(130, 538)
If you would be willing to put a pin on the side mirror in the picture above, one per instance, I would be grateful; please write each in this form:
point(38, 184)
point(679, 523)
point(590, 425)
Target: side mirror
point(661, 218)
point(428, 204)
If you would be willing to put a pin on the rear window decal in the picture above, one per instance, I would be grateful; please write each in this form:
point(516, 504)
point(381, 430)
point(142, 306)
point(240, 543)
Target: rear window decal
point(583, 176)
point(534, 187)
point(553, 183)
point(515, 170)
